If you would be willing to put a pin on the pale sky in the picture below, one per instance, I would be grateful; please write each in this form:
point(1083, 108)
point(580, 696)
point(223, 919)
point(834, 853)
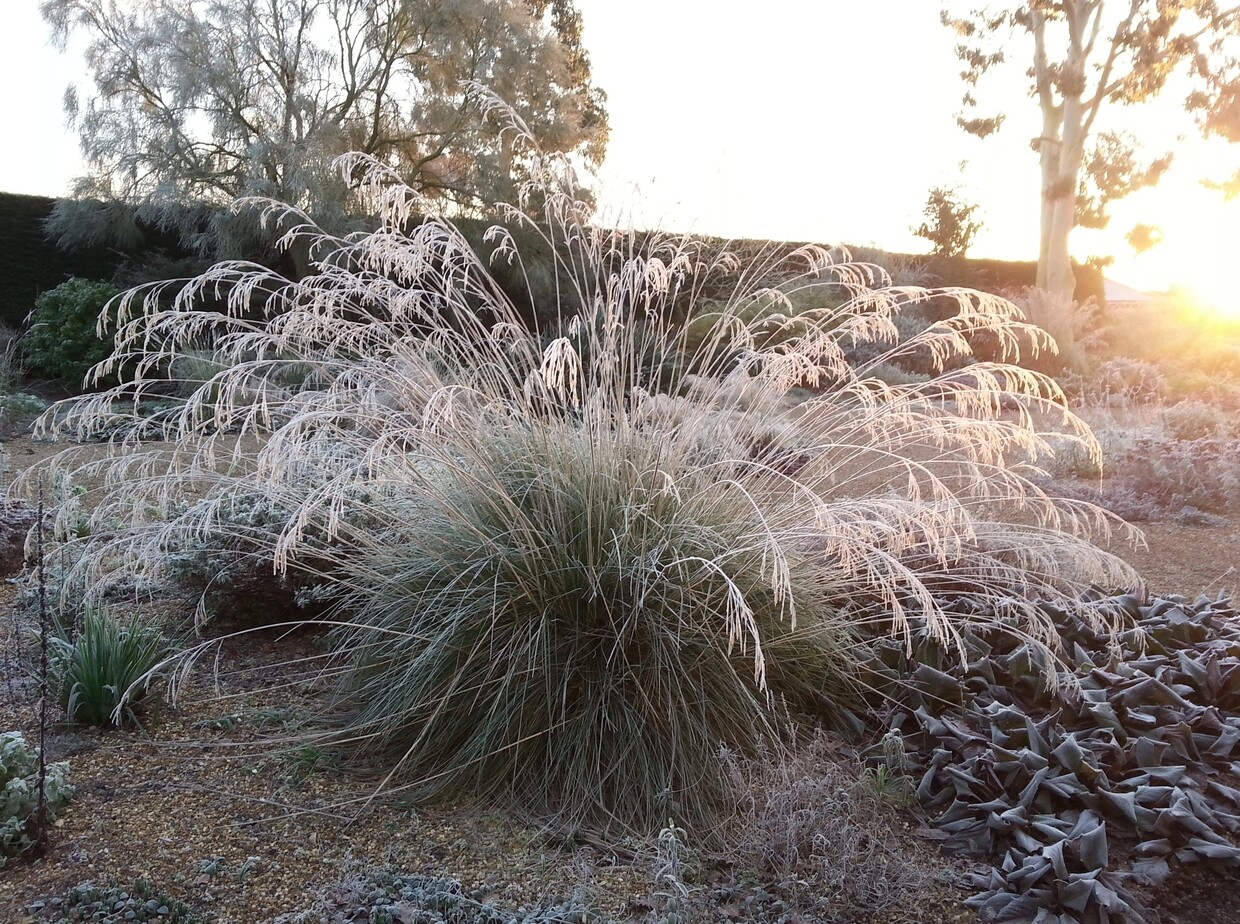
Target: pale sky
point(824, 121)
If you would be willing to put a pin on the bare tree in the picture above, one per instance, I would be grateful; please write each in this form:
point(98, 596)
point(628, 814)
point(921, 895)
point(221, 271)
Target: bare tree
point(1083, 57)
point(196, 102)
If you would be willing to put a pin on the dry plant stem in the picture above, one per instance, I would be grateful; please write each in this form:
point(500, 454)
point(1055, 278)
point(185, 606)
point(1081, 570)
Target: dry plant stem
point(532, 536)
point(39, 841)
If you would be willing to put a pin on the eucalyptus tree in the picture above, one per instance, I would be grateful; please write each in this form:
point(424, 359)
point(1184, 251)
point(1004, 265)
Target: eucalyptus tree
point(1085, 57)
point(193, 103)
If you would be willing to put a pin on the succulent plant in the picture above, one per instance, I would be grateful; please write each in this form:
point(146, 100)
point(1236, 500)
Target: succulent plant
point(1133, 745)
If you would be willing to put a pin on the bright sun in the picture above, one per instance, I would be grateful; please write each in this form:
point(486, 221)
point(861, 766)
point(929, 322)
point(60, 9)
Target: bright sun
point(1219, 296)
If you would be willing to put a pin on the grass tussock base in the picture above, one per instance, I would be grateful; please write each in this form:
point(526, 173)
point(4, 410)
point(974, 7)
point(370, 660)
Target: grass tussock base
point(566, 564)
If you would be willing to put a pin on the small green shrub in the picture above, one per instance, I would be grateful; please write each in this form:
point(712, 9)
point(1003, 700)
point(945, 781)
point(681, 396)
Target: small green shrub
point(96, 670)
point(19, 794)
point(1120, 381)
point(895, 375)
point(818, 835)
point(63, 339)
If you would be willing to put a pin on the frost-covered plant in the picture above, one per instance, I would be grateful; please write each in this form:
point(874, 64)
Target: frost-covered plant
point(817, 834)
point(135, 902)
point(19, 791)
point(1193, 420)
point(559, 581)
point(1171, 474)
point(64, 339)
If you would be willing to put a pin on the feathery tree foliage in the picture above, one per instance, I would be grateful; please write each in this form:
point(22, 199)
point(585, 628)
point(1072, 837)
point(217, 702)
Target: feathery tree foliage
point(1085, 56)
point(197, 102)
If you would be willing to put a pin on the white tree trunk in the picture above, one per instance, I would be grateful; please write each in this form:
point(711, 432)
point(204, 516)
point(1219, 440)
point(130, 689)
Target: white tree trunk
point(1061, 150)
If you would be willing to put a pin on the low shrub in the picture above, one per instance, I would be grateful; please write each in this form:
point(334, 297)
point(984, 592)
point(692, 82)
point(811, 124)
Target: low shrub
point(63, 338)
point(102, 671)
point(19, 794)
point(1194, 420)
point(1121, 381)
point(386, 896)
point(819, 836)
point(1172, 474)
point(114, 904)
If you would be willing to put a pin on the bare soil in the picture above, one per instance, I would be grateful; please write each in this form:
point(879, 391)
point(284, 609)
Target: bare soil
point(201, 802)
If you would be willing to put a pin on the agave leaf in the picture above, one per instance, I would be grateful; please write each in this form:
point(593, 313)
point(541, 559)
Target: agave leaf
point(939, 687)
point(1214, 848)
point(1015, 817)
point(1225, 744)
point(965, 782)
point(1076, 895)
point(1052, 828)
point(1032, 762)
point(1092, 847)
point(1225, 793)
point(1081, 658)
point(1139, 720)
point(1083, 822)
point(1069, 753)
point(1068, 786)
point(1018, 909)
point(1103, 714)
point(1046, 916)
point(1031, 788)
point(1171, 774)
point(1030, 872)
point(1109, 899)
point(1148, 752)
point(1054, 853)
point(1152, 871)
point(1227, 686)
point(1144, 818)
point(1150, 691)
point(1155, 796)
point(1198, 673)
point(1158, 847)
point(1025, 842)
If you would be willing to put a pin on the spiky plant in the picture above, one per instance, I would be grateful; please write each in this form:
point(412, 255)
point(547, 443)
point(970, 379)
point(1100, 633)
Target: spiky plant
point(103, 670)
point(568, 564)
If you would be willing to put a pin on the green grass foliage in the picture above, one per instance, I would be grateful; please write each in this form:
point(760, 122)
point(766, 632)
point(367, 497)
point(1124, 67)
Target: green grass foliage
point(102, 670)
point(568, 563)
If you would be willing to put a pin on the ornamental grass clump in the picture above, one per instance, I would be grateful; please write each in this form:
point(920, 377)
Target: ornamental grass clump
point(566, 564)
point(103, 668)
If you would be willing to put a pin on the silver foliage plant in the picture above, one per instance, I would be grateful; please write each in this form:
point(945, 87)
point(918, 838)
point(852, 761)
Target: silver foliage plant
point(568, 563)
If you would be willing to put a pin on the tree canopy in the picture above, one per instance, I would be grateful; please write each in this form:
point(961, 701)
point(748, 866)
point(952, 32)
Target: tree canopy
point(1084, 57)
point(196, 102)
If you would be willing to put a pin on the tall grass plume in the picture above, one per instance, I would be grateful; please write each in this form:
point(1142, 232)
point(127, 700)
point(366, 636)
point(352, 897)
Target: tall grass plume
point(568, 562)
